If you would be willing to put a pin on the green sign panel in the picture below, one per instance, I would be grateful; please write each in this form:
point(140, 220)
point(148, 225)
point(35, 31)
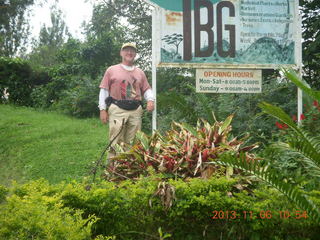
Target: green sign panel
point(174, 5)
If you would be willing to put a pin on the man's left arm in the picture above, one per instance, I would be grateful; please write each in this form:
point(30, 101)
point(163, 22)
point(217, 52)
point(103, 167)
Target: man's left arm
point(149, 97)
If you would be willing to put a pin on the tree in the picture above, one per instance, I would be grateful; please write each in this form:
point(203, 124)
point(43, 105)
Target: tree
point(50, 40)
point(137, 22)
point(14, 28)
point(311, 56)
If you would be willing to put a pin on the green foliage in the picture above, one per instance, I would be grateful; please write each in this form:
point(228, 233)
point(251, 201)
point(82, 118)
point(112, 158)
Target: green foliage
point(81, 100)
point(272, 178)
point(289, 165)
point(311, 41)
point(50, 40)
point(19, 80)
point(3, 193)
point(41, 215)
point(137, 15)
point(298, 141)
point(14, 26)
point(178, 101)
point(131, 210)
point(15, 76)
point(100, 52)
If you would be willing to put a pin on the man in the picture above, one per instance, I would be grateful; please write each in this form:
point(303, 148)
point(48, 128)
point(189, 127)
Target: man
point(123, 85)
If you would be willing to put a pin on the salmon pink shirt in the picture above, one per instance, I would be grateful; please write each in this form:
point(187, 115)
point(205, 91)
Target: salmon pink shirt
point(125, 84)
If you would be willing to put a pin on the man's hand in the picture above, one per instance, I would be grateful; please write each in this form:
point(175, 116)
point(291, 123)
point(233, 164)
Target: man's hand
point(150, 106)
point(104, 116)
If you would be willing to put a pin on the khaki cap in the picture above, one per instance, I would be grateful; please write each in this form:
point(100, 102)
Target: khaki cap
point(129, 44)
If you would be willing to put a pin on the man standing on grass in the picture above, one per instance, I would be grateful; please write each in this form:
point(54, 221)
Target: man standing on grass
point(121, 91)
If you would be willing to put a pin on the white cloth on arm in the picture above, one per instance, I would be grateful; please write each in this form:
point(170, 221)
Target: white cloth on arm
point(148, 95)
point(102, 98)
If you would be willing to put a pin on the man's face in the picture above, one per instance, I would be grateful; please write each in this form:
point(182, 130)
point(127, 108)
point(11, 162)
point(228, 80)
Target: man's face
point(128, 54)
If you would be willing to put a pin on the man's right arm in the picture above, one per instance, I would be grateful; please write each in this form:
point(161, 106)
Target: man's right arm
point(102, 105)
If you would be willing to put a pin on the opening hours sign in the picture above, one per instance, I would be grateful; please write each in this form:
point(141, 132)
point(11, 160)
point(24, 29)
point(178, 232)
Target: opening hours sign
point(228, 81)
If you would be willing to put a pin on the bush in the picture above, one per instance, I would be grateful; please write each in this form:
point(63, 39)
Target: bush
point(3, 193)
point(136, 210)
point(19, 79)
point(15, 75)
point(184, 151)
point(80, 100)
point(41, 215)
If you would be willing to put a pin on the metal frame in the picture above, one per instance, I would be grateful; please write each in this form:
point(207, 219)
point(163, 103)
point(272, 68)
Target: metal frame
point(155, 60)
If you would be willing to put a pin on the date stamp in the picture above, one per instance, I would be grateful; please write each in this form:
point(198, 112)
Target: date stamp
point(267, 214)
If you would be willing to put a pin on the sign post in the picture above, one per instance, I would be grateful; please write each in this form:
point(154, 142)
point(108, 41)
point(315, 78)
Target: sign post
point(155, 61)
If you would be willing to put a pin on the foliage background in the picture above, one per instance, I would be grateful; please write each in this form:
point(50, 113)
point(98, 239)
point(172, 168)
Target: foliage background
point(62, 73)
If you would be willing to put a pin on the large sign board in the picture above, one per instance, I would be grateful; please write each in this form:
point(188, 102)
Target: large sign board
point(228, 80)
point(228, 34)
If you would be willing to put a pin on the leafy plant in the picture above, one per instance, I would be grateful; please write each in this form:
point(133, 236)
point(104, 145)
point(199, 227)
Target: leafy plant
point(41, 215)
point(183, 151)
point(299, 141)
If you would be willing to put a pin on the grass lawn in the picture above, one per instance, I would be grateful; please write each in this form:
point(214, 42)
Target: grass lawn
point(35, 144)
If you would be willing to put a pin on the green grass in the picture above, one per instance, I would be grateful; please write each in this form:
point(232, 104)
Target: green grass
point(35, 144)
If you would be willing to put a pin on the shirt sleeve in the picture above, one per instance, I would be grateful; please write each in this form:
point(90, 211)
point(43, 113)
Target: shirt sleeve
point(145, 85)
point(104, 93)
point(105, 82)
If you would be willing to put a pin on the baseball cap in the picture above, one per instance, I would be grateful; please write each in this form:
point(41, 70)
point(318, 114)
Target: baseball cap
point(129, 44)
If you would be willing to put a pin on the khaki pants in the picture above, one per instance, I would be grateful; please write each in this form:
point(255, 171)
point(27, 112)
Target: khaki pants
point(132, 123)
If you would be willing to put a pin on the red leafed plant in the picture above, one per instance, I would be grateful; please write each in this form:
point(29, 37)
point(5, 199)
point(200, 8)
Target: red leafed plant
point(183, 151)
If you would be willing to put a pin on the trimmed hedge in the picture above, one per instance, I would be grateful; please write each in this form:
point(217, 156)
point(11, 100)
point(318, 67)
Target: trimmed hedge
point(19, 79)
point(136, 210)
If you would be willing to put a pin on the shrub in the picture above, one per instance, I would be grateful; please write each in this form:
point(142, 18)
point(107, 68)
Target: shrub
point(38, 214)
point(15, 76)
point(19, 80)
point(136, 210)
point(81, 99)
point(184, 151)
point(3, 193)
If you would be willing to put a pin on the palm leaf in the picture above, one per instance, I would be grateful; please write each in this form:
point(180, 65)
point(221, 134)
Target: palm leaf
point(313, 167)
point(301, 140)
point(312, 157)
point(271, 178)
point(292, 76)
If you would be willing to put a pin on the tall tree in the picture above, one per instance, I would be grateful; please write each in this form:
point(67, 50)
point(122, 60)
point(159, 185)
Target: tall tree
point(14, 28)
point(135, 16)
point(311, 45)
point(51, 39)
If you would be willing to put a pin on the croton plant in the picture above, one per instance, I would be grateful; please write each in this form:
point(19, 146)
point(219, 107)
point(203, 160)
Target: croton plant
point(183, 151)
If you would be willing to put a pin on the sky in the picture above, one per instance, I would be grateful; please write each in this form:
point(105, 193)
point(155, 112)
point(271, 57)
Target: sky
point(75, 12)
